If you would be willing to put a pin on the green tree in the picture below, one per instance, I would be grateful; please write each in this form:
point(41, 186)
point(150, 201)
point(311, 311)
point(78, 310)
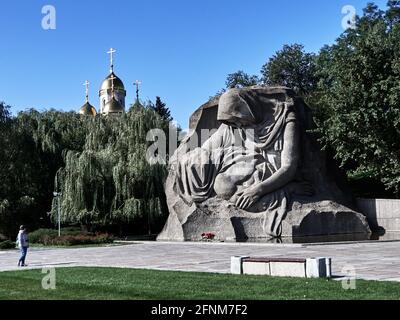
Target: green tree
point(358, 95)
point(99, 163)
point(5, 121)
point(23, 198)
point(161, 108)
point(291, 67)
point(4, 113)
point(110, 181)
point(240, 79)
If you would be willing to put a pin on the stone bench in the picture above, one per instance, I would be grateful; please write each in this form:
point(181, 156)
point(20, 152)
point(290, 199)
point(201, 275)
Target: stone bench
point(282, 267)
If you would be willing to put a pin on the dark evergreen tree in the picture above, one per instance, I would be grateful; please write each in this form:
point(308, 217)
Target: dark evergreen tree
point(162, 109)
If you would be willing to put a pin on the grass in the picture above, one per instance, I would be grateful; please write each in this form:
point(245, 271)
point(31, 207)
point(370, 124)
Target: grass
point(122, 284)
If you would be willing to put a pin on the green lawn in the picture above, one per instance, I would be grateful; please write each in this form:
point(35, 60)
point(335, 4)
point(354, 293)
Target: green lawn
point(114, 283)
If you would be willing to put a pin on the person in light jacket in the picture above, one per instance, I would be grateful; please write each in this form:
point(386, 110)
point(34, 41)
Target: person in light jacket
point(23, 244)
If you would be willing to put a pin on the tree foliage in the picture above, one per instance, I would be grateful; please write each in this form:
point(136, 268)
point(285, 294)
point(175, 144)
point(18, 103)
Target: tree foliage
point(98, 164)
point(161, 109)
point(240, 79)
point(110, 181)
point(4, 113)
point(23, 172)
point(358, 95)
point(291, 67)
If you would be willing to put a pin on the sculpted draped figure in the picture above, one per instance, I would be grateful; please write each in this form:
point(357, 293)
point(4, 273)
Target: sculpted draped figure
point(249, 165)
point(254, 154)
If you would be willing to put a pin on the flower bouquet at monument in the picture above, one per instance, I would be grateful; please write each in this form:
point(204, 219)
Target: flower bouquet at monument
point(208, 236)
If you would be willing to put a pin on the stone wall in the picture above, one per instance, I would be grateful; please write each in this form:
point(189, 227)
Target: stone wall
point(381, 213)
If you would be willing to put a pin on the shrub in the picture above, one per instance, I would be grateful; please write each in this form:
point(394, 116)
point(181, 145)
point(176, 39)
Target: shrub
point(39, 235)
point(72, 231)
point(43, 235)
point(4, 245)
point(74, 240)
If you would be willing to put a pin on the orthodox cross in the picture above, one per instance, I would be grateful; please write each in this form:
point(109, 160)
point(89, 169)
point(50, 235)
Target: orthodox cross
point(111, 53)
point(137, 84)
point(86, 84)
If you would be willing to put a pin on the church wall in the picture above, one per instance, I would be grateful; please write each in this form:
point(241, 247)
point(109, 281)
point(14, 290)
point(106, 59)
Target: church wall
point(106, 96)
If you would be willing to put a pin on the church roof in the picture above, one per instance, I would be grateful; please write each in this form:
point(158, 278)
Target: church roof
point(88, 110)
point(107, 83)
point(113, 106)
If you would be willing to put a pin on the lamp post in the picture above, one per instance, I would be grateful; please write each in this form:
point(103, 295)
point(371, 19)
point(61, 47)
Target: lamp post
point(58, 195)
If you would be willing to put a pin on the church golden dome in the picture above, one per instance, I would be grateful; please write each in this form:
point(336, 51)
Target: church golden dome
point(113, 106)
point(112, 91)
point(107, 83)
point(88, 110)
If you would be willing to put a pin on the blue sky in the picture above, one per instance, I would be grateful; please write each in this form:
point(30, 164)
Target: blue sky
point(181, 50)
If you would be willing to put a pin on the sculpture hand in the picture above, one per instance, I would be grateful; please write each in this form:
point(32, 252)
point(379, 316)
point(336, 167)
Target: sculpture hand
point(248, 198)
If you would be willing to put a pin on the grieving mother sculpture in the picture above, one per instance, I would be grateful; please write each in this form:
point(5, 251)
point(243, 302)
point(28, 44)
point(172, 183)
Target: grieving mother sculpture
point(257, 176)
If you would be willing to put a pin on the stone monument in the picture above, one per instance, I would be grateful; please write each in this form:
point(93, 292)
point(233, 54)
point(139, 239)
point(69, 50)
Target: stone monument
point(250, 168)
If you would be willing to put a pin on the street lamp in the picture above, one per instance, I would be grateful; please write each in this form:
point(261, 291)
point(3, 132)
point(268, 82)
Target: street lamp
point(58, 195)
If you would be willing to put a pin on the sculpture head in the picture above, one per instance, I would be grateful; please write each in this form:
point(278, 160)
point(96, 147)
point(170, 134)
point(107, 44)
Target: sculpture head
point(245, 108)
point(234, 110)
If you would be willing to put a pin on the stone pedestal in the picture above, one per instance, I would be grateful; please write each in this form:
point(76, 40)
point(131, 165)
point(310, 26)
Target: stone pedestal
point(231, 224)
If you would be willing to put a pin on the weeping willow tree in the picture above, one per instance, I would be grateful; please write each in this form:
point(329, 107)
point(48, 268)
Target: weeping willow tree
point(98, 164)
point(109, 181)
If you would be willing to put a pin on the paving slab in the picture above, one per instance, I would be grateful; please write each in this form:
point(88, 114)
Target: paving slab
point(370, 260)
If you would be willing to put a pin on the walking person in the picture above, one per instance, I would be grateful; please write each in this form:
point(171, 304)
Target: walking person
point(23, 244)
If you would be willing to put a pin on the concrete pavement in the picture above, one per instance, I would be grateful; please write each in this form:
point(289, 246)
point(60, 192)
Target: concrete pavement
point(370, 260)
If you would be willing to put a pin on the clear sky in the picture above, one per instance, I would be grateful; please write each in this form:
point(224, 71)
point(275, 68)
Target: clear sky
point(181, 50)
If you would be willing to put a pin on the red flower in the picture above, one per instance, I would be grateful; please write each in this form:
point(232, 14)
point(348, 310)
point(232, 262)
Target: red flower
point(208, 236)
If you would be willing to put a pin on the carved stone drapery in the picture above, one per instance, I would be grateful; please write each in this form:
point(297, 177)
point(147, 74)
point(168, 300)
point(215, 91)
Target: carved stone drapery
point(259, 175)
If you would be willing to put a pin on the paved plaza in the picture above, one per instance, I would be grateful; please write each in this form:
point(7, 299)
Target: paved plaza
point(371, 260)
